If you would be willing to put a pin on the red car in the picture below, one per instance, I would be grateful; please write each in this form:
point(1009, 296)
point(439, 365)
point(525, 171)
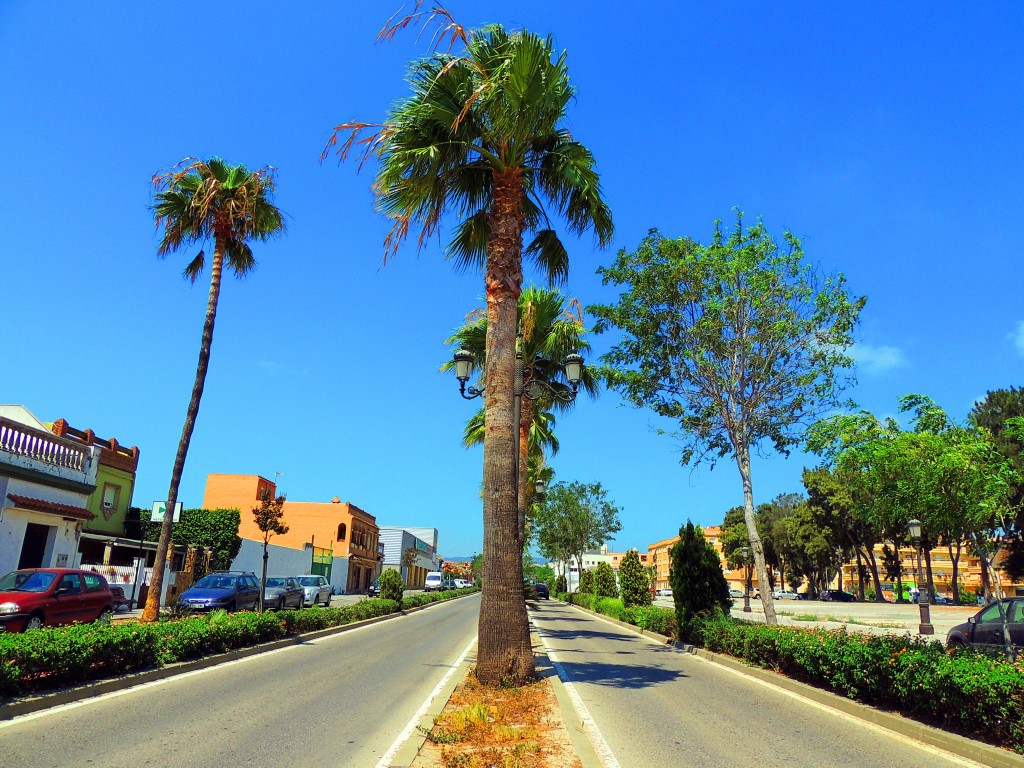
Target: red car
point(37, 597)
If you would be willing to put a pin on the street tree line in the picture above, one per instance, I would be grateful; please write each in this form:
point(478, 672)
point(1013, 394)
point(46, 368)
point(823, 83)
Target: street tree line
point(963, 482)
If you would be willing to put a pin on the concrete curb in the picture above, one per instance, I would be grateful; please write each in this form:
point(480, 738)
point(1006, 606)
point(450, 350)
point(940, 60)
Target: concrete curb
point(577, 733)
point(986, 754)
point(410, 750)
point(31, 704)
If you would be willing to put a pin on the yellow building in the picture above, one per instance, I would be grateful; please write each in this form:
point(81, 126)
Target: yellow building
point(658, 554)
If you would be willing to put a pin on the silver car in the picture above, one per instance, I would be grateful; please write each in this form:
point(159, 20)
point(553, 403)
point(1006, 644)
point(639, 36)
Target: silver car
point(283, 592)
point(317, 590)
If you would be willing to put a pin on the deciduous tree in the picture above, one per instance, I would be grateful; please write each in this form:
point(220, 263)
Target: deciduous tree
point(740, 341)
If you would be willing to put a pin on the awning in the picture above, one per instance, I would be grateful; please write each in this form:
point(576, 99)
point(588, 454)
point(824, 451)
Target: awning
point(50, 507)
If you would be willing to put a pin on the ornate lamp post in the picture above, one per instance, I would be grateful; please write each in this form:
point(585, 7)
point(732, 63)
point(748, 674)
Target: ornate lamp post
point(925, 628)
point(746, 581)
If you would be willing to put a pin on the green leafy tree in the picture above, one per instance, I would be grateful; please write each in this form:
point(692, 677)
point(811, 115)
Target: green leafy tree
point(604, 581)
point(739, 341)
point(699, 587)
point(269, 517)
point(482, 137)
point(992, 416)
point(214, 529)
point(560, 584)
point(575, 517)
point(392, 586)
point(634, 581)
point(198, 202)
point(586, 584)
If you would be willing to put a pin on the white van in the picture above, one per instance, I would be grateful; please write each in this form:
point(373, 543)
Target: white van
point(433, 582)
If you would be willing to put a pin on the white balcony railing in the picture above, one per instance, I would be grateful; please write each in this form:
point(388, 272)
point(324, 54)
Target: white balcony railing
point(36, 449)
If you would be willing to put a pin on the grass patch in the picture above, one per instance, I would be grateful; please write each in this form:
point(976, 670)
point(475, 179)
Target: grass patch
point(507, 727)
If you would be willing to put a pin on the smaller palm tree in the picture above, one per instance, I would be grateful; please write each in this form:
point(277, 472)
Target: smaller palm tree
point(198, 202)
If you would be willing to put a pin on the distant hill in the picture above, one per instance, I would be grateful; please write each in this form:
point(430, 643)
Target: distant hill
point(458, 559)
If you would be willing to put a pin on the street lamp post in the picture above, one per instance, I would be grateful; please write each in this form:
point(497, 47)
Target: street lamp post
point(572, 364)
point(746, 581)
point(925, 628)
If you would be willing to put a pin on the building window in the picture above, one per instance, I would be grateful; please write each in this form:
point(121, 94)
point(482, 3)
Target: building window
point(342, 531)
point(110, 496)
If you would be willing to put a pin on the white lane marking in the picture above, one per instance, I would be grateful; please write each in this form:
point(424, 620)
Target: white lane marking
point(174, 678)
point(604, 752)
point(388, 756)
point(955, 759)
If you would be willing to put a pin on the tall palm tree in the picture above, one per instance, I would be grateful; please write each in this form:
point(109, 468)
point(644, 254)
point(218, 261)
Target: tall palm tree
point(550, 328)
point(196, 202)
point(482, 137)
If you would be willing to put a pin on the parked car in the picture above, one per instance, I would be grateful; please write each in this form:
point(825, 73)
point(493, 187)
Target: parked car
point(785, 594)
point(462, 584)
point(665, 592)
point(942, 600)
point(434, 582)
point(985, 628)
point(316, 588)
point(837, 596)
point(281, 592)
point(230, 590)
point(45, 597)
point(374, 589)
point(735, 593)
point(542, 590)
point(449, 583)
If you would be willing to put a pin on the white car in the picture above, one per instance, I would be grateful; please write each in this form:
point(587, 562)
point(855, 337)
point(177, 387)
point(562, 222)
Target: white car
point(316, 588)
point(735, 593)
point(666, 592)
point(433, 582)
point(785, 594)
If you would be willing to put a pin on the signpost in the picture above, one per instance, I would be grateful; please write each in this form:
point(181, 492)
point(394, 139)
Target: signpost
point(160, 509)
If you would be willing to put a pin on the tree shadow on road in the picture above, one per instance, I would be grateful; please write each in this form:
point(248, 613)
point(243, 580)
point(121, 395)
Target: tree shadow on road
point(619, 675)
point(574, 634)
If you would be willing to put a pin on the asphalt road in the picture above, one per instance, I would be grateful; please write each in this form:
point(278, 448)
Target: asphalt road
point(336, 701)
point(656, 706)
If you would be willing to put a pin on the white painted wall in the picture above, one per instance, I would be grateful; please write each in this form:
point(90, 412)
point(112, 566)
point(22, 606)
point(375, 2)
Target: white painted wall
point(286, 561)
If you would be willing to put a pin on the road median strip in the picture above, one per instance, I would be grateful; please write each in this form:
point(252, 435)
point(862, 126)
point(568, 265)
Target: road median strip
point(980, 752)
point(31, 704)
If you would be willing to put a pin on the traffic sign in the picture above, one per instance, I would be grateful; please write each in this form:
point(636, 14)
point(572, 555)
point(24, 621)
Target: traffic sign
point(160, 509)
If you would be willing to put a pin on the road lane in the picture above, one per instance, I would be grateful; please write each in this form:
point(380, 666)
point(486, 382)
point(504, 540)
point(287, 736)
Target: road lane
point(336, 701)
point(658, 706)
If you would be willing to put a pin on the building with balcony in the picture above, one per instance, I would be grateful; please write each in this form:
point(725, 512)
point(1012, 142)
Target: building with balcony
point(659, 555)
point(46, 482)
point(115, 479)
point(420, 542)
point(347, 531)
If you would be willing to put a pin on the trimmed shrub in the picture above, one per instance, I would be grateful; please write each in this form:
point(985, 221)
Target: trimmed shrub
point(699, 588)
point(391, 585)
point(974, 694)
point(54, 657)
point(604, 581)
point(586, 582)
point(560, 585)
point(636, 586)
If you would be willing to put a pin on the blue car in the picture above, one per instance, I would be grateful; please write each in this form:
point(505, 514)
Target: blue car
point(230, 590)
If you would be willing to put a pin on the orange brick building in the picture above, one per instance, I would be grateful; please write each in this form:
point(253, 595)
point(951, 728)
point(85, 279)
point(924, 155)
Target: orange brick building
point(343, 527)
point(658, 556)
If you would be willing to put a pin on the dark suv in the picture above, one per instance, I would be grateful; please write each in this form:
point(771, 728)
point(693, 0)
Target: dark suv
point(985, 628)
point(230, 590)
point(542, 590)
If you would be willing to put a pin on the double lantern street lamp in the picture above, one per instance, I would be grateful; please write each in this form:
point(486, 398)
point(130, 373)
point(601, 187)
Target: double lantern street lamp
point(925, 628)
point(535, 389)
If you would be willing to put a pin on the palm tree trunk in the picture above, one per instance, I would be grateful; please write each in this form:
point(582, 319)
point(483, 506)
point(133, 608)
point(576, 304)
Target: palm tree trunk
point(505, 652)
point(152, 610)
point(525, 423)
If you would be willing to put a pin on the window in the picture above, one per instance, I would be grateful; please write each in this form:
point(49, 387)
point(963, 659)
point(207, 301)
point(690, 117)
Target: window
point(991, 615)
point(342, 531)
point(110, 496)
point(70, 583)
point(93, 583)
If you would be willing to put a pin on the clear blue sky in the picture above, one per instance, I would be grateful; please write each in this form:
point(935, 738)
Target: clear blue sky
point(888, 136)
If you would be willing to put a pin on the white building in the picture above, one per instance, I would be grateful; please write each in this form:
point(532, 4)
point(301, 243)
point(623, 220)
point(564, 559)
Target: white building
point(591, 559)
point(399, 539)
point(45, 483)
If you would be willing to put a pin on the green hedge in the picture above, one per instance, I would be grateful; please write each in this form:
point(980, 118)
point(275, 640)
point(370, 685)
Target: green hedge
point(55, 657)
point(649, 617)
point(977, 695)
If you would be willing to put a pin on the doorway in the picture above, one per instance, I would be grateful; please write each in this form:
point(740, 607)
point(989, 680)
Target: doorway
point(33, 547)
